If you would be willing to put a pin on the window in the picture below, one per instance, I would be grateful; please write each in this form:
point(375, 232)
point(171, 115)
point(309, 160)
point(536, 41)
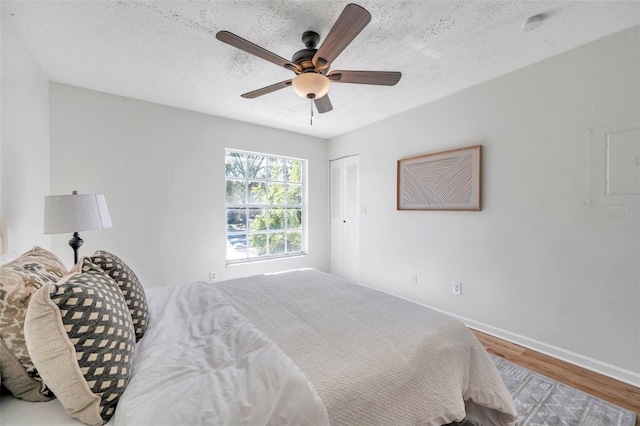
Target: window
point(264, 206)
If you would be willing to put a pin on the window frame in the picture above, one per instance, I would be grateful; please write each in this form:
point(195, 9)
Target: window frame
point(265, 208)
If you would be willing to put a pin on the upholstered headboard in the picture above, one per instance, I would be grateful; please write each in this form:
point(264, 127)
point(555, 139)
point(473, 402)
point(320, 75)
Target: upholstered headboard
point(4, 242)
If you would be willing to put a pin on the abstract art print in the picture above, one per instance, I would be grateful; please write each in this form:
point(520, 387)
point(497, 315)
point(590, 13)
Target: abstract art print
point(447, 180)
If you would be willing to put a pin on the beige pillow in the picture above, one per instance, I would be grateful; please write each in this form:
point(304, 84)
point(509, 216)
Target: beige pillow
point(81, 338)
point(19, 280)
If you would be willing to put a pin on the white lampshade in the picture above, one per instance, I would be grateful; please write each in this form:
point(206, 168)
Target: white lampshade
point(311, 85)
point(75, 213)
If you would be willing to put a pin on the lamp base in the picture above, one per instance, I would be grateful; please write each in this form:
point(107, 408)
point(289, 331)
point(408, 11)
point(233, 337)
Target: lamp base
point(75, 242)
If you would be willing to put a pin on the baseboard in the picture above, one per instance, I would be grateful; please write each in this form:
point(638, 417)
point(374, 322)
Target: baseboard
point(591, 364)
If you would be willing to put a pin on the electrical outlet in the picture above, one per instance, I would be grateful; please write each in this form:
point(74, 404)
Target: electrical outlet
point(414, 278)
point(456, 288)
point(212, 277)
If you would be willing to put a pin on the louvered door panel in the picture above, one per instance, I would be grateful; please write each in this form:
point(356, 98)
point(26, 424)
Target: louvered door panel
point(345, 218)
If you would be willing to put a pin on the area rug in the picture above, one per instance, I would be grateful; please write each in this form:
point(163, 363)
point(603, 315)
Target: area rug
point(542, 401)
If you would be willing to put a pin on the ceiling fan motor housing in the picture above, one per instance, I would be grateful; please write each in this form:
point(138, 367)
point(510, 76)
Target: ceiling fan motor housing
point(304, 57)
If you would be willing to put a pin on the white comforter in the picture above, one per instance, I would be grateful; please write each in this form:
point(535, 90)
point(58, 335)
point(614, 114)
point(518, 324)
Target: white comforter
point(201, 363)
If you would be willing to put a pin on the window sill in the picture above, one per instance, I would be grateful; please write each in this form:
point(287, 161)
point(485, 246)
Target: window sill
point(231, 263)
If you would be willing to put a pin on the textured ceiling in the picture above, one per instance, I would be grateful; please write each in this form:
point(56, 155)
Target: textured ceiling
point(166, 51)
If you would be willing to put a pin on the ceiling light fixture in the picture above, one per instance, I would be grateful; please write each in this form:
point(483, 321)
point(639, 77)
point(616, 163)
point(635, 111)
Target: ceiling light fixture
point(311, 85)
point(532, 23)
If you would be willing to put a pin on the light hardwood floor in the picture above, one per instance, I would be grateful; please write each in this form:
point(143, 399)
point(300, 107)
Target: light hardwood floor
point(611, 390)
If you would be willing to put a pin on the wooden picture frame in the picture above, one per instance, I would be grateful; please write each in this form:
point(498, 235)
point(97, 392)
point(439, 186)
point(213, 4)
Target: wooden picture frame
point(448, 180)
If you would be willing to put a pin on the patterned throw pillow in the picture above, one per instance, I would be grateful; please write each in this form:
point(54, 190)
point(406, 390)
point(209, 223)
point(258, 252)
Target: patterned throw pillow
point(129, 285)
point(81, 338)
point(19, 280)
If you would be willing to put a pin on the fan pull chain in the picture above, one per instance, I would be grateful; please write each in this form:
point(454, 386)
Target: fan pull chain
point(311, 117)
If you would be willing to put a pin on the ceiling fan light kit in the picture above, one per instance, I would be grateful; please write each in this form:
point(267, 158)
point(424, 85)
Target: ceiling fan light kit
point(311, 85)
point(311, 65)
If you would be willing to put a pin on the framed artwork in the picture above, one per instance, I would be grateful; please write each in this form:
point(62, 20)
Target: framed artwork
point(447, 180)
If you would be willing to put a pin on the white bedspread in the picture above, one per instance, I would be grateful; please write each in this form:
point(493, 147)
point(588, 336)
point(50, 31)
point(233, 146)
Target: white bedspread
point(201, 363)
point(373, 358)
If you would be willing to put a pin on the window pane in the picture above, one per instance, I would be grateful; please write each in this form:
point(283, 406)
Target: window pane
point(257, 245)
point(294, 218)
point(256, 167)
point(236, 246)
point(276, 169)
point(276, 193)
point(236, 219)
point(258, 189)
point(234, 164)
point(294, 193)
point(294, 242)
point(257, 192)
point(258, 219)
point(276, 219)
point(276, 243)
point(294, 171)
point(236, 191)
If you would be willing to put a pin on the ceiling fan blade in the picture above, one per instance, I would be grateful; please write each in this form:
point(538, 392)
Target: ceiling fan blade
point(323, 104)
point(254, 49)
point(380, 78)
point(265, 90)
point(349, 24)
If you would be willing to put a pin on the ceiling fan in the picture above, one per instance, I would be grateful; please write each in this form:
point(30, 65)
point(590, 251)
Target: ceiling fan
point(311, 65)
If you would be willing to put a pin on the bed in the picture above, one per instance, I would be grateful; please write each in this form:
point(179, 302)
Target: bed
point(295, 348)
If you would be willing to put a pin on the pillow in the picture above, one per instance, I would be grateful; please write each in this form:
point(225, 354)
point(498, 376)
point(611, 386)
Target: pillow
point(129, 285)
point(19, 279)
point(81, 339)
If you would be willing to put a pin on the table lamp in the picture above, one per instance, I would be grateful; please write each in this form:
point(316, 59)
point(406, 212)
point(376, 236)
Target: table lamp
point(75, 213)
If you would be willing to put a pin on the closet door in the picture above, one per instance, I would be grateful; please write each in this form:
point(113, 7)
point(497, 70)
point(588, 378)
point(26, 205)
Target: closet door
point(345, 218)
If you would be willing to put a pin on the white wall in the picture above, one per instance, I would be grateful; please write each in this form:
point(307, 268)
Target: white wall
point(162, 172)
point(538, 266)
point(24, 143)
